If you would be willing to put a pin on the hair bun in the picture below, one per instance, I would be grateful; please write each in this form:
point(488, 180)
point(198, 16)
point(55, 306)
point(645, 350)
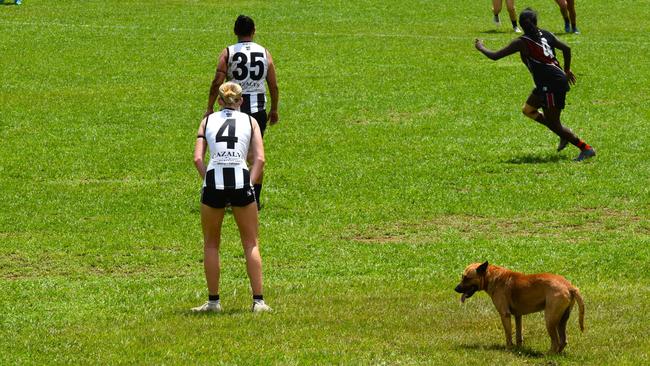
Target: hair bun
point(230, 93)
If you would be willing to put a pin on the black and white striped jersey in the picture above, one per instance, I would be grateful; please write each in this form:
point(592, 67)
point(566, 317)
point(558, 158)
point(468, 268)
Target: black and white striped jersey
point(248, 66)
point(228, 133)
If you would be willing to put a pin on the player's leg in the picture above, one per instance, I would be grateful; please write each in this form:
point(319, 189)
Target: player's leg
point(510, 5)
point(552, 117)
point(565, 14)
point(552, 121)
point(571, 6)
point(554, 102)
point(496, 9)
point(211, 220)
point(247, 222)
point(531, 108)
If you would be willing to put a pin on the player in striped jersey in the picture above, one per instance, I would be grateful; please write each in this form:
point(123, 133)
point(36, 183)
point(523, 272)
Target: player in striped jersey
point(249, 65)
point(232, 137)
point(537, 50)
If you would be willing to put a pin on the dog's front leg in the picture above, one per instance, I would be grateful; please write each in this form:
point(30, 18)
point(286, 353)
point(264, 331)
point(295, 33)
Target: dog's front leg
point(518, 331)
point(507, 327)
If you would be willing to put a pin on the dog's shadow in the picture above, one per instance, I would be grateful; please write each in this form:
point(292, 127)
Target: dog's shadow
point(524, 352)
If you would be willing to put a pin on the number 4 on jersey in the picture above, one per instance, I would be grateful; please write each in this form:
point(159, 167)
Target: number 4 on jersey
point(230, 139)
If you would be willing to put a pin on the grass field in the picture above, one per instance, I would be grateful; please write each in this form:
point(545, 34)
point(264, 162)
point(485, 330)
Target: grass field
point(401, 156)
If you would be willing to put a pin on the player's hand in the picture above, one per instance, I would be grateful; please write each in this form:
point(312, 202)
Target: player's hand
point(570, 76)
point(478, 44)
point(273, 117)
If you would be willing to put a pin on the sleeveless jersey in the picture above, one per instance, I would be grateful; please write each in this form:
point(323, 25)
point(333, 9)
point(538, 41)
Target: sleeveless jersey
point(228, 133)
point(542, 63)
point(248, 66)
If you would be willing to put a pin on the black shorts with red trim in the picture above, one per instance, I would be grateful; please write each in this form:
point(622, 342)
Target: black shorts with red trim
point(551, 97)
point(220, 198)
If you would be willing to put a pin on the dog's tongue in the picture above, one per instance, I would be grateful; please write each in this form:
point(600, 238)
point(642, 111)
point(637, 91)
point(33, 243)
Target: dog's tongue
point(463, 297)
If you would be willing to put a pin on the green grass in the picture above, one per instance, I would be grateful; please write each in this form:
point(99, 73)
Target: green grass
point(401, 157)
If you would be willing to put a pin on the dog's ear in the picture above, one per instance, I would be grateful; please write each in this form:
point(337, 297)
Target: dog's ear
point(480, 270)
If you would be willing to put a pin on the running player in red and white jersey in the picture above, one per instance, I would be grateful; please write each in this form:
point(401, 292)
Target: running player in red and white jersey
point(249, 65)
point(233, 137)
point(537, 50)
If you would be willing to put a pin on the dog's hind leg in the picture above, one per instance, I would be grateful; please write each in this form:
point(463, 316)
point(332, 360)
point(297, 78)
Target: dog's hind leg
point(561, 328)
point(552, 322)
point(518, 331)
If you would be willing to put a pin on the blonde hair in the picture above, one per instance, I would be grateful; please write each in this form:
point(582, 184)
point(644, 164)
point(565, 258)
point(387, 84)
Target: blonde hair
point(230, 93)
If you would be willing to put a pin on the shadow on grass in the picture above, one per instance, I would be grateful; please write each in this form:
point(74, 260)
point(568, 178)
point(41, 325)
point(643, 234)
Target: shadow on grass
point(523, 352)
point(493, 31)
point(229, 312)
point(536, 159)
point(508, 30)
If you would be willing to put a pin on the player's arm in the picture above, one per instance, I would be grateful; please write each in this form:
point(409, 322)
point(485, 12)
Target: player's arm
point(514, 46)
point(199, 149)
point(256, 152)
point(219, 77)
point(273, 90)
point(566, 56)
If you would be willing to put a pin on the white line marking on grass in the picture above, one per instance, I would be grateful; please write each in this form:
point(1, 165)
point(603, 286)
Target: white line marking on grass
point(490, 37)
point(198, 30)
point(88, 181)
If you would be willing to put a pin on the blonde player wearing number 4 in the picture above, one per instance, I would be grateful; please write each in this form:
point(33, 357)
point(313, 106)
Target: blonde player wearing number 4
point(232, 136)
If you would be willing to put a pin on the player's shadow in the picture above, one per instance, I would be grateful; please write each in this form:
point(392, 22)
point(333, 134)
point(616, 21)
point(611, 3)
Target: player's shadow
point(227, 312)
point(523, 352)
point(536, 159)
point(493, 31)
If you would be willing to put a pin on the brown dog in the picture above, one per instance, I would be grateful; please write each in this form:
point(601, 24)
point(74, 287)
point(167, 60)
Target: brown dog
point(517, 294)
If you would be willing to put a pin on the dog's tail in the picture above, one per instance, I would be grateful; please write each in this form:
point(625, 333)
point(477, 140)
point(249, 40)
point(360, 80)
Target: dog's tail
point(581, 307)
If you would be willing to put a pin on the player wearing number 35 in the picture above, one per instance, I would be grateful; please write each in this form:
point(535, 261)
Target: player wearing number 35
point(249, 65)
point(232, 137)
point(537, 50)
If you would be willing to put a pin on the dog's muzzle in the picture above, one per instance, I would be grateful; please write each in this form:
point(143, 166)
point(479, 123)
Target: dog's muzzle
point(467, 292)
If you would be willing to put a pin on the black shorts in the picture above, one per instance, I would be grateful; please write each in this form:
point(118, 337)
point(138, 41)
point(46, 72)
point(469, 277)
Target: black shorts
point(551, 97)
point(220, 198)
point(260, 117)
